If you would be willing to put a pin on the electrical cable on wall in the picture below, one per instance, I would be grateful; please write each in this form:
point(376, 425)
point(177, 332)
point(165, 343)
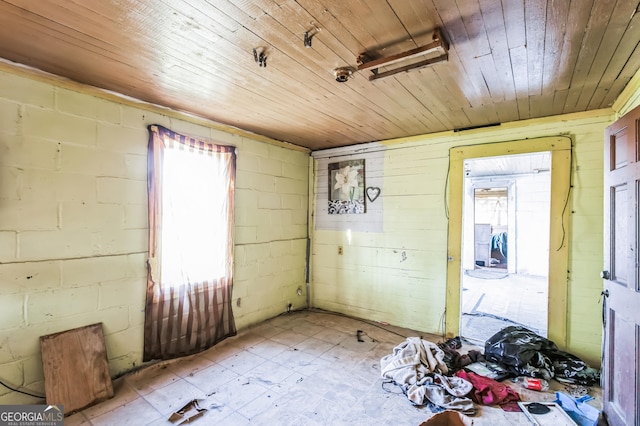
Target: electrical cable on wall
point(566, 201)
point(19, 391)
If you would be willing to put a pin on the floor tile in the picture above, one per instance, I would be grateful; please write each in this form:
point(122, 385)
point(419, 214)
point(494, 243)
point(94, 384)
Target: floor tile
point(239, 392)
point(135, 413)
point(331, 335)
point(269, 373)
point(174, 396)
point(188, 366)
point(236, 419)
point(210, 378)
point(123, 393)
point(242, 362)
point(222, 350)
point(275, 374)
point(266, 330)
point(314, 346)
point(77, 419)
point(307, 328)
point(289, 338)
point(151, 378)
point(267, 349)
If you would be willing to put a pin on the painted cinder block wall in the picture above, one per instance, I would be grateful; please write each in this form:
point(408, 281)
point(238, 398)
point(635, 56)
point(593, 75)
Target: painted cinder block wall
point(73, 221)
point(399, 275)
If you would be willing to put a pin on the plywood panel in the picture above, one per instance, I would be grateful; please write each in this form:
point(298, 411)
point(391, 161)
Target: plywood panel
point(76, 370)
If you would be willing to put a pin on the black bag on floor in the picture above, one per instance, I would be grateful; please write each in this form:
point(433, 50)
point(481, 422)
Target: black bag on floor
point(525, 353)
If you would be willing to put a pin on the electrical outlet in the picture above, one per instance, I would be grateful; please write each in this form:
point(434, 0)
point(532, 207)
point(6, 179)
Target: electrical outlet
point(340, 250)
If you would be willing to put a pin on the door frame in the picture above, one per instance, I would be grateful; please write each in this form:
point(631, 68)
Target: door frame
point(468, 219)
point(560, 148)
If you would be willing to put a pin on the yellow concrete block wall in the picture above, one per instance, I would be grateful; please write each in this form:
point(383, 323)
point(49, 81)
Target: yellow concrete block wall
point(73, 221)
point(399, 275)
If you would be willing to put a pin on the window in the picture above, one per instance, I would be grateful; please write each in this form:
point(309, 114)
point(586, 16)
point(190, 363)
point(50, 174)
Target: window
point(190, 278)
point(194, 221)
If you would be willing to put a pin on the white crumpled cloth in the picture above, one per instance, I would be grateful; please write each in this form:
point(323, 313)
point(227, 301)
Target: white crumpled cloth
point(417, 366)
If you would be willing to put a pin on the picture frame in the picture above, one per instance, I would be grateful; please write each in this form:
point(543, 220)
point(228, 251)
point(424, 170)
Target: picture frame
point(347, 187)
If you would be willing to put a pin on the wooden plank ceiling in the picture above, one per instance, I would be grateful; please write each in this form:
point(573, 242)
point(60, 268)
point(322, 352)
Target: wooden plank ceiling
point(508, 60)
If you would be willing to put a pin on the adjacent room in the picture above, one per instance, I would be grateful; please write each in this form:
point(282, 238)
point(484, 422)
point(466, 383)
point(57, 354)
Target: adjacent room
point(260, 212)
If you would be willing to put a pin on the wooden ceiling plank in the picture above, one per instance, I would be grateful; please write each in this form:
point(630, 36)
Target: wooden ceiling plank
point(575, 31)
point(458, 83)
point(594, 33)
point(557, 17)
point(535, 16)
point(537, 106)
point(19, 20)
point(628, 44)
point(381, 21)
point(630, 69)
point(519, 70)
point(491, 77)
point(514, 22)
point(481, 116)
point(460, 45)
point(332, 32)
point(340, 90)
point(286, 43)
point(430, 97)
point(438, 95)
point(412, 107)
point(494, 19)
point(474, 25)
point(507, 111)
point(329, 108)
point(344, 12)
point(419, 17)
point(615, 32)
point(65, 20)
point(196, 55)
point(559, 100)
point(390, 101)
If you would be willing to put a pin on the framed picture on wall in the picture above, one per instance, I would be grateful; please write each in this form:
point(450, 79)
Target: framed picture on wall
point(347, 187)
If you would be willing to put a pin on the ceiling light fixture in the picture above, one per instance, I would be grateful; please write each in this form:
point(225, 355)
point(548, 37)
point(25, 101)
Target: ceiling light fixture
point(438, 47)
point(343, 74)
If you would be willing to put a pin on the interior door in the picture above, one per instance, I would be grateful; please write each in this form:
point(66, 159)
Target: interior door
point(621, 310)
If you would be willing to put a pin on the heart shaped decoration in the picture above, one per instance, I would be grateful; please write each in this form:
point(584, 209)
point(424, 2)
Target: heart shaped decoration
point(372, 193)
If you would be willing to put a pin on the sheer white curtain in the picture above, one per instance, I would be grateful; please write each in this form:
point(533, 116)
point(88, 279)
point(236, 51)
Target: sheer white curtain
point(190, 278)
point(194, 222)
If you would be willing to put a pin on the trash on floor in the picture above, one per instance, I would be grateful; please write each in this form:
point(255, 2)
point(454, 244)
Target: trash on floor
point(546, 414)
point(417, 366)
point(525, 353)
point(582, 413)
point(488, 369)
point(448, 418)
point(188, 413)
point(487, 391)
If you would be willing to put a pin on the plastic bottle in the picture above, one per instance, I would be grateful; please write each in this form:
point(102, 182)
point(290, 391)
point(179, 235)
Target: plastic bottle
point(532, 383)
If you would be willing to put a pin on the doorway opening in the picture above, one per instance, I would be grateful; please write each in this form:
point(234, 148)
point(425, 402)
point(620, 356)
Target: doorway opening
point(505, 244)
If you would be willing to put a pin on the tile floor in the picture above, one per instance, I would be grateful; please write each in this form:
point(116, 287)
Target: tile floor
point(303, 368)
point(522, 299)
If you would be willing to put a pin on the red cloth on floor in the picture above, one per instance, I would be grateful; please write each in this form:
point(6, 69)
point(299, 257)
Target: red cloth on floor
point(487, 391)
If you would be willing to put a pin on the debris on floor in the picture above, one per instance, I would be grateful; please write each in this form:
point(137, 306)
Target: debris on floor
point(188, 413)
point(447, 381)
point(448, 418)
point(525, 353)
point(580, 412)
point(546, 414)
